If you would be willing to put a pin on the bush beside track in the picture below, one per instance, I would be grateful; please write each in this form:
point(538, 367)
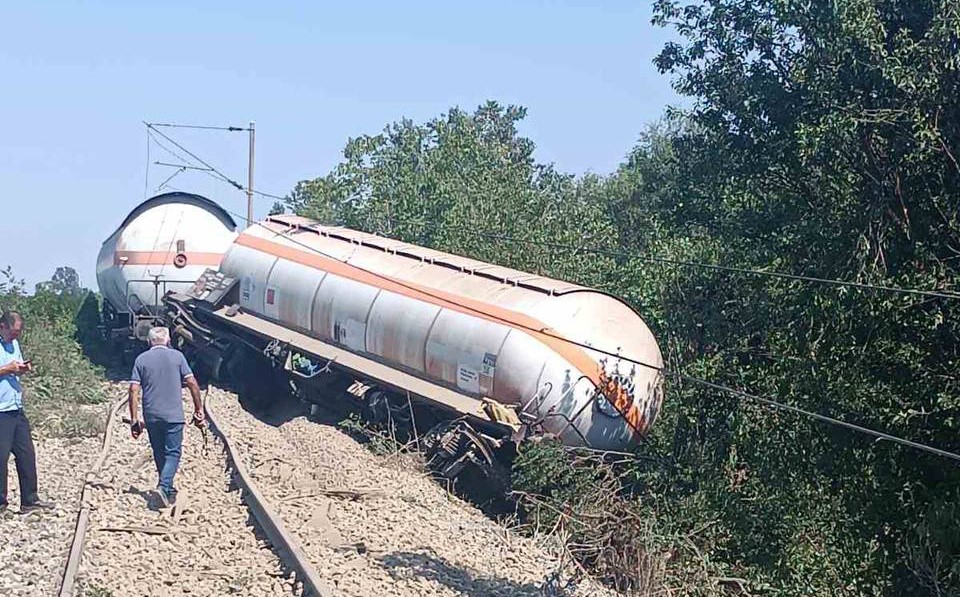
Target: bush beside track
point(60, 337)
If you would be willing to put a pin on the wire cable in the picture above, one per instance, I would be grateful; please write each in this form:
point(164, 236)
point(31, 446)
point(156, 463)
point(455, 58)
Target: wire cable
point(269, 196)
point(695, 380)
point(195, 156)
point(169, 178)
point(172, 152)
point(822, 418)
point(181, 166)
point(146, 172)
point(197, 126)
point(209, 170)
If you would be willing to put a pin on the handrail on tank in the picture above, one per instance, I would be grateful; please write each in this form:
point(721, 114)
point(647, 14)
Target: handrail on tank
point(133, 315)
point(539, 397)
point(156, 281)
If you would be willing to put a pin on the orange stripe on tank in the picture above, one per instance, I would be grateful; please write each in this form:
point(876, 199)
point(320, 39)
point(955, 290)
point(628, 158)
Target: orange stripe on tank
point(469, 306)
point(164, 258)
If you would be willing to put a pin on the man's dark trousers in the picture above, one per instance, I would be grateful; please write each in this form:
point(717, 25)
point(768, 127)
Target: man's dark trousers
point(15, 437)
point(166, 440)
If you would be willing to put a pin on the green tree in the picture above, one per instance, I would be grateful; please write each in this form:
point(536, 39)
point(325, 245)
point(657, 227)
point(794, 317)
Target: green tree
point(821, 141)
point(10, 285)
point(437, 183)
point(63, 381)
point(65, 281)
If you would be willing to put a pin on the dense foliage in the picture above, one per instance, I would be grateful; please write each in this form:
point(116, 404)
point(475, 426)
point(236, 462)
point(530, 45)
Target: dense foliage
point(821, 140)
point(59, 333)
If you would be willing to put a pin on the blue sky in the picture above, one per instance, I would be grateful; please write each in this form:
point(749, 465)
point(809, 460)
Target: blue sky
point(79, 78)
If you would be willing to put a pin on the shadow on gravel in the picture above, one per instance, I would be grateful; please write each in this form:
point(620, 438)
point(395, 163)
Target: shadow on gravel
point(150, 497)
point(401, 564)
point(274, 409)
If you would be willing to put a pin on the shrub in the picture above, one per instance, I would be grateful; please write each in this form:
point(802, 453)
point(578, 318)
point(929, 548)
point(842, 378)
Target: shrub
point(64, 385)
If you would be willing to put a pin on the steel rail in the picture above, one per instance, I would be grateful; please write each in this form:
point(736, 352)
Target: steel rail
point(69, 577)
point(269, 521)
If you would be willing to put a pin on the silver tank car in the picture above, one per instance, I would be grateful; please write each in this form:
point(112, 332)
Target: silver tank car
point(164, 244)
point(482, 330)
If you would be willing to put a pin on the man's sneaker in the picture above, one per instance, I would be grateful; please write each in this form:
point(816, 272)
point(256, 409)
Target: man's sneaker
point(167, 498)
point(35, 506)
point(164, 500)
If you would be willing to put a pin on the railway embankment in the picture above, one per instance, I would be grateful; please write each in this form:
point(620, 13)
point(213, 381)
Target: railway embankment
point(379, 525)
point(365, 524)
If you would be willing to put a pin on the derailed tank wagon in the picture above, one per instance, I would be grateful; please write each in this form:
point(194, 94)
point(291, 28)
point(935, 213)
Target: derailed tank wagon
point(163, 245)
point(490, 354)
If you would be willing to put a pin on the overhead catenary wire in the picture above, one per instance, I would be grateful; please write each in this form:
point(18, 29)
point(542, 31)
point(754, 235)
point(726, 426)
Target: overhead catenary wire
point(195, 156)
point(203, 170)
point(182, 166)
point(822, 418)
point(188, 164)
point(197, 126)
point(663, 370)
point(172, 153)
point(169, 178)
point(146, 173)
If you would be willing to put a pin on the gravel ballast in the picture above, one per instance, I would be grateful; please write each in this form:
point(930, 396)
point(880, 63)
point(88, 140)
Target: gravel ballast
point(208, 544)
point(375, 525)
point(369, 524)
point(34, 547)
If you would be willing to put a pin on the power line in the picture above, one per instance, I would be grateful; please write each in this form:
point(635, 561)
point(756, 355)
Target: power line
point(196, 157)
point(146, 172)
point(696, 380)
point(822, 418)
point(169, 178)
point(185, 162)
point(668, 261)
point(268, 195)
point(209, 168)
point(197, 126)
point(167, 149)
point(182, 166)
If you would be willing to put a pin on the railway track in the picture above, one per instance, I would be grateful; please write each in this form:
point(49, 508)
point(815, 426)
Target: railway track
point(277, 504)
point(219, 539)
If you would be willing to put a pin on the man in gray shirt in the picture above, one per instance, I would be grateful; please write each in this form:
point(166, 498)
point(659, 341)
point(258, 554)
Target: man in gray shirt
point(161, 371)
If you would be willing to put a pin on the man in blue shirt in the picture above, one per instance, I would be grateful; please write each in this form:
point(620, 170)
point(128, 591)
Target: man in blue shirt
point(14, 427)
point(160, 372)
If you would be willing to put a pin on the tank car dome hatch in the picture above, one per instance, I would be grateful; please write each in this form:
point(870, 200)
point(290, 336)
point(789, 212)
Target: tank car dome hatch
point(163, 244)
